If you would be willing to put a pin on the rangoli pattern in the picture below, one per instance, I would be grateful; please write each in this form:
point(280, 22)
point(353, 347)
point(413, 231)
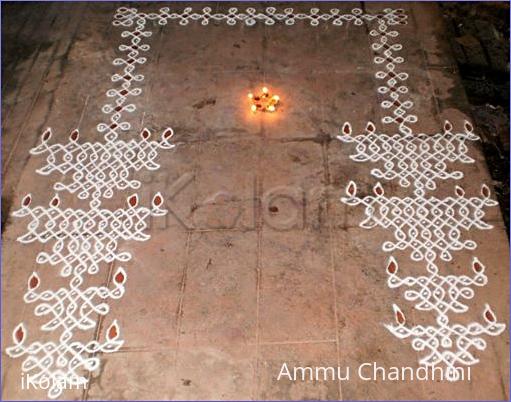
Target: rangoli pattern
point(85, 239)
point(268, 16)
point(127, 79)
point(393, 86)
point(385, 45)
point(443, 343)
point(68, 309)
point(99, 168)
point(414, 160)
point(431, 228)
point(434, 292)
point(446, 343)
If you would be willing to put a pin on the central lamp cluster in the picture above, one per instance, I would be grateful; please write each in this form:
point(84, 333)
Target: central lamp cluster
point(265, 102)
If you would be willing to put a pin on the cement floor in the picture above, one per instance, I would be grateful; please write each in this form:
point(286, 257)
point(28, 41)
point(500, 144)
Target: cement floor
point(230, 286)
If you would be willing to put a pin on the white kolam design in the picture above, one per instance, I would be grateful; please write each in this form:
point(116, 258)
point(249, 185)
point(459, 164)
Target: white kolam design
point(97, 169)
point(431, 229)
point(393, 87)
point(446, 343)
point(443, 343)
point(127, 80)
point(416, 160)
point(441, 294)
point(269, 16)
point(428, 226)
point(68, 310)
point(84, 241)
point(385, 46)
point(60, 364)
point(81, 239)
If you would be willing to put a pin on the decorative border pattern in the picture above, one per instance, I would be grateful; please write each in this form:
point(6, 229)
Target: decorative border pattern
point(437, 340)
point(385, 45)
point(127, 79)
point(393, 86)
point(434, 292)
point(83, 239)
point(431, 228)
point(269, 16)
point(71, 356)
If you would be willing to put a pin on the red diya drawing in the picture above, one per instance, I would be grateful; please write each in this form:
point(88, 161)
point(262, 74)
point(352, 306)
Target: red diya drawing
point(265, 102)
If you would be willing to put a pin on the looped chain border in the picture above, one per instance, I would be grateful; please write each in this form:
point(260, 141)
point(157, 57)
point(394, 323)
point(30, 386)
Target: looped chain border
point(78, 254)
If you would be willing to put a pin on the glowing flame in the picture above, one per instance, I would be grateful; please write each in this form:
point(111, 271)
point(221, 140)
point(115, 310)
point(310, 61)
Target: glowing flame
point(265, 102)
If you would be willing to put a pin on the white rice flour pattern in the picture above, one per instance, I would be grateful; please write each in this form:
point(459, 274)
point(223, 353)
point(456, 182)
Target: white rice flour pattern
point(445, 343)
point(396, 104)
point(84, 240)
point(431, 228)
point(428, 226)
point(127, 79)
point(414, 160)
point(97, 169)
point(81, 240)
point(393, 81)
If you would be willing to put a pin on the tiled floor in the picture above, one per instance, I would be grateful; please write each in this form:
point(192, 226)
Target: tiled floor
point(258, 262)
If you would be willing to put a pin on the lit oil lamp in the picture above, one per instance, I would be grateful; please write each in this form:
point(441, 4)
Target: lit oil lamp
point(265, 102)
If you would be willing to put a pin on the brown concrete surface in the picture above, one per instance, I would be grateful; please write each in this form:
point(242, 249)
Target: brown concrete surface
point(217, 300)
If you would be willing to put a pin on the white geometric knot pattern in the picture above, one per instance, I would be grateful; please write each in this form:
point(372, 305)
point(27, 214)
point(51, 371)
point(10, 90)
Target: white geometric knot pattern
point(68, 309)
point(393, 88)
point(444, 343)
point(99, 168)
point(73, 307)
point(430, 227)
point(126, 80)
point(269, 16)
point(83, 238)
point(393, 81)
point(61, 364)
point(438, 293)
point(418, 160)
